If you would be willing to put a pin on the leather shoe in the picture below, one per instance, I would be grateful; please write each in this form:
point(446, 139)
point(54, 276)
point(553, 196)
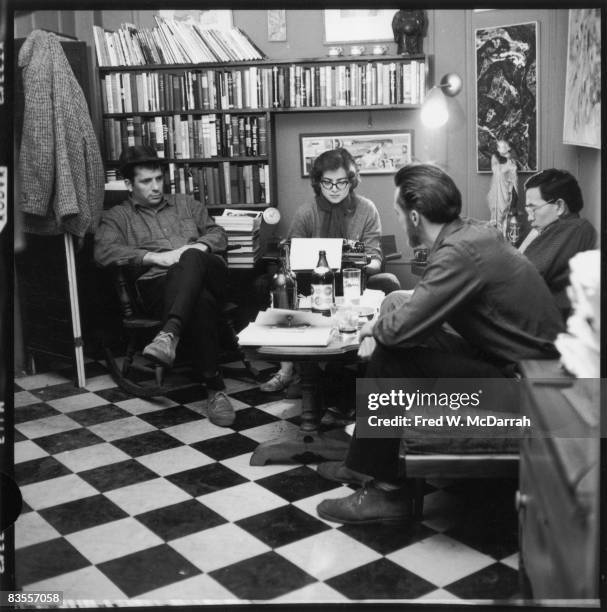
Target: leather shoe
point(367, 505)
point(220, 410)
point(338, 472)
point(162, 348)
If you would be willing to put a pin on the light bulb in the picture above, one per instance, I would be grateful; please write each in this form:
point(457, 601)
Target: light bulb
point(434, 110)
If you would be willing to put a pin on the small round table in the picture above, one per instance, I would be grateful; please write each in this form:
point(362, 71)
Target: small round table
point(309, 442)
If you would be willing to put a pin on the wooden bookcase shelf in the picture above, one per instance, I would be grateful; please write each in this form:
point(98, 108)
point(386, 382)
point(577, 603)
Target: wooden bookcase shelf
point(214, 122)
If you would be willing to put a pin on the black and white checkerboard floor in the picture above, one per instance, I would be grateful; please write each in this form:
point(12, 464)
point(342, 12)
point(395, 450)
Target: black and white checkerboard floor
point(133, 499)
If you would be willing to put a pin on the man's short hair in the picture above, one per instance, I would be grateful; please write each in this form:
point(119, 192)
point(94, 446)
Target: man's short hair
point(139, 156)
point(333, 160)
point(429, 190)
point(554, 184)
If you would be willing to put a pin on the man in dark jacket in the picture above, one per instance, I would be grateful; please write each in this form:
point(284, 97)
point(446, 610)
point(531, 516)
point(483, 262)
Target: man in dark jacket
point(489, 293)
point(553, 200)
point(174, 248)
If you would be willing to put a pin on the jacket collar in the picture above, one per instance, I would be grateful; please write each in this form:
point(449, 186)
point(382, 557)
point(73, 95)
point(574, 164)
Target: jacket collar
point(446, 230)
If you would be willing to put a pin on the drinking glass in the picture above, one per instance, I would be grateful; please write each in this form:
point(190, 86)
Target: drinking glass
point(351, 280)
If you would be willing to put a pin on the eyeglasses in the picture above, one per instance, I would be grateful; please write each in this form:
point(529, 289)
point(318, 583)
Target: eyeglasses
point(339, 184)
point(533, 209)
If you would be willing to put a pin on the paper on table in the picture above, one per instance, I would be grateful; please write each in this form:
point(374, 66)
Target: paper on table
point(304, 252)
point(279, 327)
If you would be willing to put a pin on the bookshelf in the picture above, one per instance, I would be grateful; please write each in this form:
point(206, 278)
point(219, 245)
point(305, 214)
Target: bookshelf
point(214, 121)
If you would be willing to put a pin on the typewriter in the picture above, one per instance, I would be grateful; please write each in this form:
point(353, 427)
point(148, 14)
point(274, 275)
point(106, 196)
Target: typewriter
point(353, 254)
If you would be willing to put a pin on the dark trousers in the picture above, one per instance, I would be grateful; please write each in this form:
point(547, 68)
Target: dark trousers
point(192, 290)
point(378, 457)
point(443, 355)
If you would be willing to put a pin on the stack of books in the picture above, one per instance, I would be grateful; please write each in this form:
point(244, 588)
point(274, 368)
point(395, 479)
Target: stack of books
point(242, 227)
point(171, 42)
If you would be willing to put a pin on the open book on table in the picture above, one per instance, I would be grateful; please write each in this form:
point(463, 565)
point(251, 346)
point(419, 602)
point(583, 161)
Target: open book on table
point(279, 327)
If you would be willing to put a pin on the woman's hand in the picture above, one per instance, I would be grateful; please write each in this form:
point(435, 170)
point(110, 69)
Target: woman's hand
point(373, 267)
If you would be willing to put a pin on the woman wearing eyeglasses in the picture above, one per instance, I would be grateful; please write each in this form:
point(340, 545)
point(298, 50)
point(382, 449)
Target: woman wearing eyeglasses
point(553, 200)
point(337, 211)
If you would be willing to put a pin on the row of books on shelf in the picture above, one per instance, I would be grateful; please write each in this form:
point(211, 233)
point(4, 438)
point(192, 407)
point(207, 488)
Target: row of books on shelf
point(294, 86)
point(221, 184)
point(189, 136)
point(242, 228)
point(171, 42)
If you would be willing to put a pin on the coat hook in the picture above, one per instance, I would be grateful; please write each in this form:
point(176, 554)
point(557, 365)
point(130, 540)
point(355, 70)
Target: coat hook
point(370, 120)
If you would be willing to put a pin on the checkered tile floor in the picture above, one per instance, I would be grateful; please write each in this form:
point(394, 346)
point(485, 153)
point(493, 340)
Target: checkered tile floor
point(129, 499)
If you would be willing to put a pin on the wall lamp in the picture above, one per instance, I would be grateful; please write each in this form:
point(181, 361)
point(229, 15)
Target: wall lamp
point(434, 109)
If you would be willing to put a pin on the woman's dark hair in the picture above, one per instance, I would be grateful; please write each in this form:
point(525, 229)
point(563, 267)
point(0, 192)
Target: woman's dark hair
point(430, 191)
point(554, 184)
point(333, 160)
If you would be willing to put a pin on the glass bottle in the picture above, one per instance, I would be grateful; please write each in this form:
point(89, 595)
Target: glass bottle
point(322, 285)
point(284, 283)
point(513, 230)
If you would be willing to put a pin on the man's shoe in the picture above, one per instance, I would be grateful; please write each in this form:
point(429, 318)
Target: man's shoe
point(278, 382)
point(162, 349)
point(220, 410)
point(367, 505)
point(338, 472)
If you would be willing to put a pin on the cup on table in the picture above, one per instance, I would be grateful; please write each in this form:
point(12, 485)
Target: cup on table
point(346, 318)
point(351, 281)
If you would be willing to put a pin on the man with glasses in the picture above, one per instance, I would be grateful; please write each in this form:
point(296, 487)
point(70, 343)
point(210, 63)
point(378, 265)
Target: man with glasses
point(337, 211)
point(553, 200)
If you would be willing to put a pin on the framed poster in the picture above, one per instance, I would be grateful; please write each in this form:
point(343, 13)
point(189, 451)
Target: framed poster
point(582, 118)
point(506, 93)
point(357, 25)
point(381, 152)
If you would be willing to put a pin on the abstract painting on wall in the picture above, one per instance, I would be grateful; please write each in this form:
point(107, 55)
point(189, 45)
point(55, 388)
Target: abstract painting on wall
point(582, 119)
point(506, 93)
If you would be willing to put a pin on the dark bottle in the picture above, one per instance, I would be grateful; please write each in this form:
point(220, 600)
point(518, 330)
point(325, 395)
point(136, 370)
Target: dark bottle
point(284, 283)
point(322, 285)
point(513, 227)
point(513, 230)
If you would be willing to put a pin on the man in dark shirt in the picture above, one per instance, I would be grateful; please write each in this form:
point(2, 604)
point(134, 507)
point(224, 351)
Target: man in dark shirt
point(488, 293)
point(172, 244)
point(553, 200)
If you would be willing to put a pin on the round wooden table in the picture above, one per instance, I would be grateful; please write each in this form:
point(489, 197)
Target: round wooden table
point(309, 443)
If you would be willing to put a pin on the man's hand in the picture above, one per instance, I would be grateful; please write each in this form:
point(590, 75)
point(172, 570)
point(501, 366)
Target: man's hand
point(163, 259)
point(367, 329)
point(166, 259)
point(366, 348)
point(373, 267)
point(196, 245)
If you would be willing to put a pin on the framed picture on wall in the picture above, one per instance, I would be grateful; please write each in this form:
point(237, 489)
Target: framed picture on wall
point(357, 25)
point(381, 152)
point(506, 93)
point(582, 118)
